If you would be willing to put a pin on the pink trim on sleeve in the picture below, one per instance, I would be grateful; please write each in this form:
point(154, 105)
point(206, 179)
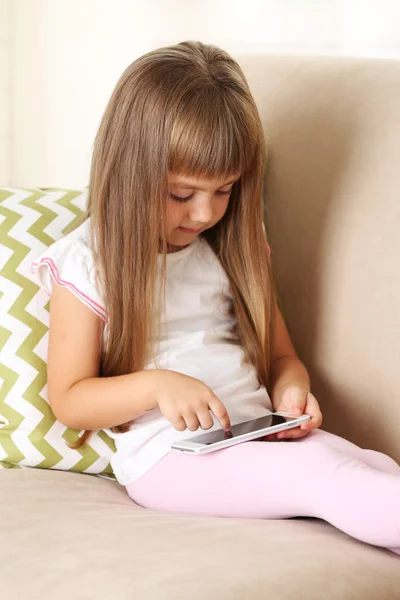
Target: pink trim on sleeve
point(99, 310)
point(268, 249)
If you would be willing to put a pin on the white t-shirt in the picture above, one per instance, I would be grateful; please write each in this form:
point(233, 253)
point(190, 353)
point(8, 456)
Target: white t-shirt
point(197, 297)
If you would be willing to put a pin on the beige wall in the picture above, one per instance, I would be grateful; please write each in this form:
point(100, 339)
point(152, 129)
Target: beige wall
point(5, 91)
point(60, 60)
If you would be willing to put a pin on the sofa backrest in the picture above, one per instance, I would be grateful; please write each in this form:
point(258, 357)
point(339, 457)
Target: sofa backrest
point(332, 216)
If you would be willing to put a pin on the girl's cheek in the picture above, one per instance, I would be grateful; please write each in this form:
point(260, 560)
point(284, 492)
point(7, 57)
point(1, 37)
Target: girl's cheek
point(170, 219)
point(175, 216)
point(172, 213)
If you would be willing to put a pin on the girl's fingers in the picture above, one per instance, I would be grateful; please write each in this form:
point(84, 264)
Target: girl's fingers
point(270, 437)
point(192, 422)
point(312, 408)
point(178, 423)
point(205, 419)
point(219, 410)
point(292, 434)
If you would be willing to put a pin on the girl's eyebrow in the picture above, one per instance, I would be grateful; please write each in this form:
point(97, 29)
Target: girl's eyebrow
point(187, 186)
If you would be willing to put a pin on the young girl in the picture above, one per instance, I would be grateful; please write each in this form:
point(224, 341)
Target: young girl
point(164, 319)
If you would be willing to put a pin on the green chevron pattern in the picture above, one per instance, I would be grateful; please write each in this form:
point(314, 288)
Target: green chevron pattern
point(30, 221)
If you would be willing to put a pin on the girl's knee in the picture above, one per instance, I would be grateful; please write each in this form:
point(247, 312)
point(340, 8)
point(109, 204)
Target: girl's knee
point(314, 448)
point(301, 455)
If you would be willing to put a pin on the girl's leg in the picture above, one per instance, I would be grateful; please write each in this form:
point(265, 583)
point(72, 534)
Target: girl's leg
point(277, 480)
point(372, 458)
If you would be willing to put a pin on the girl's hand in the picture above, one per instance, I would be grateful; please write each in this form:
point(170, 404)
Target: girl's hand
point(298, 401)
point(186, 402)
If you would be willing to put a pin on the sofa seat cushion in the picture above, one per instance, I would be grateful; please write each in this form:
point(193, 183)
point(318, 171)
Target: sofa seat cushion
point(69, 535)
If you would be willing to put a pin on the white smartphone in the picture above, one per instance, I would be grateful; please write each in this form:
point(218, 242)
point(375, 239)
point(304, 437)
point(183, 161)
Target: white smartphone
point(241, 432)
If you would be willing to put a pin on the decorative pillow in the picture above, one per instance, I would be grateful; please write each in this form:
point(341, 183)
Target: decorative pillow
point(30, 435)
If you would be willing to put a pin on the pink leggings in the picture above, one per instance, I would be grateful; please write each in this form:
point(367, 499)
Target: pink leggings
point(320, 475)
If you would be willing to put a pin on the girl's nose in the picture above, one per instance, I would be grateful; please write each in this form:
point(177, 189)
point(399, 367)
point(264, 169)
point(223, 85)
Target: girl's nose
point(201, 211)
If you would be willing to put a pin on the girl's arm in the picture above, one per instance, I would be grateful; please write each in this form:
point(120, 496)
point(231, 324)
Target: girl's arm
point(290, 383)
point(79, 398)
point(286, 368)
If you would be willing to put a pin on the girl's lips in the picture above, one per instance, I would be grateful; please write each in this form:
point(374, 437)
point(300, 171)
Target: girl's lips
point(185, 230)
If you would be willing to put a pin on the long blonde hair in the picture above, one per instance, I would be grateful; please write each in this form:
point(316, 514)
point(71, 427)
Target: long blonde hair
point(188, 109)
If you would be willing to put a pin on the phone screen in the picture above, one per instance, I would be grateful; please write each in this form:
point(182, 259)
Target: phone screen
point(240, 429)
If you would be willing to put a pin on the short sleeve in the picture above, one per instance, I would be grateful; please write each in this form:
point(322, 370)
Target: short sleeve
point(69, 263)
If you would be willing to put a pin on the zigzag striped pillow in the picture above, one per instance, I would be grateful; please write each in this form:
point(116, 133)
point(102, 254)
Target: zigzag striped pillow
point(30, 221)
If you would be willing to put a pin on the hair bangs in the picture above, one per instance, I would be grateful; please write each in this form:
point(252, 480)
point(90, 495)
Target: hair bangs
point(210, 139)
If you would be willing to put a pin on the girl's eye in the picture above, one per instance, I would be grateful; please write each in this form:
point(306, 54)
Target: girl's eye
point(186, 198)
point(180, 198)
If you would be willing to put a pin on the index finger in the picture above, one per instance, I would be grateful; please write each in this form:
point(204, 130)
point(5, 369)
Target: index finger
point(219, 410)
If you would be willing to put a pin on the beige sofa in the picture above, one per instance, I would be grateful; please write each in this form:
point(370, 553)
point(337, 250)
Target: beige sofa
point(333, 214)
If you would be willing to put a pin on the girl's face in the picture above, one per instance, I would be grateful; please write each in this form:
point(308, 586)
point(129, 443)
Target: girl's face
point(195, 205)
